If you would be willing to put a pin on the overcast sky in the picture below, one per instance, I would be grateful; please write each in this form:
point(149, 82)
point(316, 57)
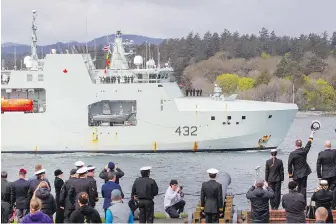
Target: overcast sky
point(64, 20)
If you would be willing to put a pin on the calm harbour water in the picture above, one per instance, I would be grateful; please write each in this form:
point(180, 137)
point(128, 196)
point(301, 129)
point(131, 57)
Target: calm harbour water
point(189, 169)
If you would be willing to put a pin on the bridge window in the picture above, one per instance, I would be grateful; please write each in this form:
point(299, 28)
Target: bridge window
point(40, 78)
point(243, 117)
point(29, 77)
point(229, 117)
point(270, 116)
point(212, 118)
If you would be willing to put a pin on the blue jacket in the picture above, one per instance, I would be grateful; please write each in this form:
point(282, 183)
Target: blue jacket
point(106, 191)
point(119, 212)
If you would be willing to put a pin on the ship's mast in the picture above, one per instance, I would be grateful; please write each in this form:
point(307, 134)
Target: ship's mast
point(34, 56)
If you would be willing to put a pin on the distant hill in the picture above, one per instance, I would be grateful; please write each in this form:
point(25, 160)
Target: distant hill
point(8, 48)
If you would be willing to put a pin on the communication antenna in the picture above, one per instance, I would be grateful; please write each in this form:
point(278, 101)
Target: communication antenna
point(86, 35)
point(146, 52)
point(14, 56)
point(158, 57)
point(42, 51)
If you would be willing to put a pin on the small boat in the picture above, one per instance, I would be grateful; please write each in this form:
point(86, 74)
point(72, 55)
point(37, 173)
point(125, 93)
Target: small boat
point(20, 105)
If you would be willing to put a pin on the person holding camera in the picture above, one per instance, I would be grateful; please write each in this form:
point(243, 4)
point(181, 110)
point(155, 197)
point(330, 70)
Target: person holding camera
point(173, 201)
point(259, 195)
point(298, 168)
point(323, 197)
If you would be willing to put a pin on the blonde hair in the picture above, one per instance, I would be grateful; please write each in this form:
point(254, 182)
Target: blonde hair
point(43, 184)
point(35, 205)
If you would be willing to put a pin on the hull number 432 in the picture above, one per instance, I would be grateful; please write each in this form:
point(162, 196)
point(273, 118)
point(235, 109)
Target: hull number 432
point(187, 131)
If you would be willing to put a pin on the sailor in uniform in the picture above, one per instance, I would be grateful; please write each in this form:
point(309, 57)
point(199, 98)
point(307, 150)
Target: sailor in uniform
point(298, 168)
point(212, 198)
point(144, 189)
point(274, 175)
point(81, 184)
point(90, 175)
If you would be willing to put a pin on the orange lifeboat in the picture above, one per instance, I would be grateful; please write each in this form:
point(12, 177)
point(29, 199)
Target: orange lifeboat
point(23, 105)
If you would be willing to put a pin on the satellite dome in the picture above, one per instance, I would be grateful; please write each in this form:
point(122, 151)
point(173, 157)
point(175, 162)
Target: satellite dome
point(138, 60)
point(28, 62)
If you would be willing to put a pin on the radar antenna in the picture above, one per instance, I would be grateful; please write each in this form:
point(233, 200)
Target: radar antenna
point(34, 55)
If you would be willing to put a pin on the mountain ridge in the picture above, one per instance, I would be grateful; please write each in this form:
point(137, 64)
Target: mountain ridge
point(8, 47)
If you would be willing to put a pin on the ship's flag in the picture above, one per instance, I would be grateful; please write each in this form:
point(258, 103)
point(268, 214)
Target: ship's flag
point(106, 48)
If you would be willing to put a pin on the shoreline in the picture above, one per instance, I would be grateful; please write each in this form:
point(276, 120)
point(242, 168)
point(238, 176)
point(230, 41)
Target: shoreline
point(316, 113)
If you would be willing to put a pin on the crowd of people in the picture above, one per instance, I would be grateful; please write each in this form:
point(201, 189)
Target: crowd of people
point(31, 201)
point(268, 191)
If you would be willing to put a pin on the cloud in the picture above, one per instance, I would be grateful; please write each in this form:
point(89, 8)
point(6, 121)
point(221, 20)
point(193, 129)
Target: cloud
point(65, 20)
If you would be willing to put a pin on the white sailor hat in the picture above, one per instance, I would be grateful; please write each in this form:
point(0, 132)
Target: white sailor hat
point(323, 182)
point(89, 168)
point(212, 171)
point(82, 170)
point(274, 150)
point(40, 171)
point(145, 168)
point(79, 163)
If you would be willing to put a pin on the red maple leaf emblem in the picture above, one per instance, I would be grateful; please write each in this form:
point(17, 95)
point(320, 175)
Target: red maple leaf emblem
point(65, 71)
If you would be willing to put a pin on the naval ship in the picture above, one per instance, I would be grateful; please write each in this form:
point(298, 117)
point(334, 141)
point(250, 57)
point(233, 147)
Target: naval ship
point(63, 103)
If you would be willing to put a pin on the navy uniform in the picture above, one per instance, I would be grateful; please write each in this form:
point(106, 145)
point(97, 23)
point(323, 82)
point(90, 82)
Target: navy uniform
point(65, 200)
point(40, 176)
point(58, 183)
point(324, 198)
point(298, 168)
point(274, 175)
point(81, 184)
point(212, 198)
point(145, 189)
point(93, 182)
point(326, 167)
point(6, 199)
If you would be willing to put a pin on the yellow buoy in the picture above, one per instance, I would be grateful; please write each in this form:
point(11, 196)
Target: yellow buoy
point(94, 136)
point(195, 146)
point(154, 146)
point(36, 149)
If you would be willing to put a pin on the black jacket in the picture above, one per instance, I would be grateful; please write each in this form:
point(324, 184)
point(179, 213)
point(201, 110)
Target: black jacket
point(95, 196)
point(323, 198)
point(87, 213)
point(6, 191)
point(119, 174)
point(295, 204)
point(274, 172)
point(33, 185)
point(260, 203)
point(48, 201)
point(326, 162)
point(58, 183)
point(80, 185)
point(145, 188)
point(20, 193)
point(297, 162)
point(212, 197)
point(65, 201)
